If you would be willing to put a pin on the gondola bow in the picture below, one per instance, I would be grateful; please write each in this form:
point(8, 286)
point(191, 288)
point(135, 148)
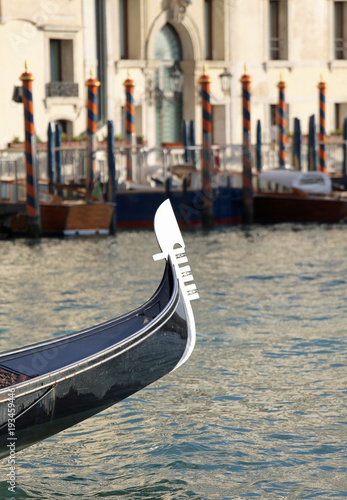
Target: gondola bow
point(50, 386)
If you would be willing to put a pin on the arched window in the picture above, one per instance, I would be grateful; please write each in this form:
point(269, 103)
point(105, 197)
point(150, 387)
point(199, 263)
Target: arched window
point(168, 104)
point(66, 128)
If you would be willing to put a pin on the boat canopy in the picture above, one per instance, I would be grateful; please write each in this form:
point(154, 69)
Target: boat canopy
point(308, 182)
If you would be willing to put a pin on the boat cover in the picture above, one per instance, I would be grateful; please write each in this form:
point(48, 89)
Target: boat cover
point(309, 182)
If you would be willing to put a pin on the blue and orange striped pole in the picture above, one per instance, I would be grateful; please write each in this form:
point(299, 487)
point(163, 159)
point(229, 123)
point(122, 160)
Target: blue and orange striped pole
point(282, 122)
point(322, 133)
point(129, 121)
point(207, 158)
point(93, 85)
point(247, 182)
point(32, 201)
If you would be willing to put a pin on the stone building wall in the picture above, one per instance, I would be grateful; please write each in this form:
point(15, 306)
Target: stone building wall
point(240, 34)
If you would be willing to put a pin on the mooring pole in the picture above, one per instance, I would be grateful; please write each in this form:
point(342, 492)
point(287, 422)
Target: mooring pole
point(51, 157)
point(58, 158)
point(207, 158)
point(93, 85)
point(247, 183)
point(297, 145)
point(192, 141)
point(186, 140)
point(258, 147)
point(344, 164)
point(312, 144)
point(322, 134)
point(112, 183)
point(129, 122)
point(282, 122)
point(32, 200)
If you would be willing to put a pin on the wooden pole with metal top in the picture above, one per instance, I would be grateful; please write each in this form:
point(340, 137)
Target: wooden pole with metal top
point(129, 122)
point(93, 85)
point(207, 158)
point(32, 200)
point(322, 133)
point(282, 122)
point(247, 180)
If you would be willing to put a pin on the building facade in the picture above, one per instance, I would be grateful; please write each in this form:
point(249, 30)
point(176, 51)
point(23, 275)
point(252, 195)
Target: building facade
point(299, 41)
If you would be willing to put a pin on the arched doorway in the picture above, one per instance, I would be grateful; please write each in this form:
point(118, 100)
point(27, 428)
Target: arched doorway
point(168, 104)
point(66, 128)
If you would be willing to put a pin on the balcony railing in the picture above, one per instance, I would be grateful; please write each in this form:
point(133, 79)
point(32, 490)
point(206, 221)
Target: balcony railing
point(62, 89)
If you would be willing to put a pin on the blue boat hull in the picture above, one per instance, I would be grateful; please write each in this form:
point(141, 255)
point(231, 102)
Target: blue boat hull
point(135, 209)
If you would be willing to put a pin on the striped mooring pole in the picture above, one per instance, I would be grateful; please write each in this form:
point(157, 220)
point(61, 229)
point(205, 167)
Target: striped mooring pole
point(93, 85)
point(247, 182)
point(282, 122)
point(207, 158)
point(32, 200)
point(129, 122)
point(322, 133)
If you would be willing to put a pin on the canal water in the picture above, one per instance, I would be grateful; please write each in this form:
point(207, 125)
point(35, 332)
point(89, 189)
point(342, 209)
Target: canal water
point(259, 410)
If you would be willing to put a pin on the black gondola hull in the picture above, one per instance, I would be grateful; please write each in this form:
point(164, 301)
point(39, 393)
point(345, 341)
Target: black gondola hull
point(68, 402)
point(51, 386)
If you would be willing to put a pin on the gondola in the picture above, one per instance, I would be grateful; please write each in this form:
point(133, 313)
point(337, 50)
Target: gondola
point(50, 386)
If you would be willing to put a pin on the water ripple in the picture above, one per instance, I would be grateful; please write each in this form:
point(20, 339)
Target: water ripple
point(259, 411)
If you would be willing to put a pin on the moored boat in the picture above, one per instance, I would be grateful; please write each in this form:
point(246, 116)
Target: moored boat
point(52, 385)
point(285, 195)
point(63, 219)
